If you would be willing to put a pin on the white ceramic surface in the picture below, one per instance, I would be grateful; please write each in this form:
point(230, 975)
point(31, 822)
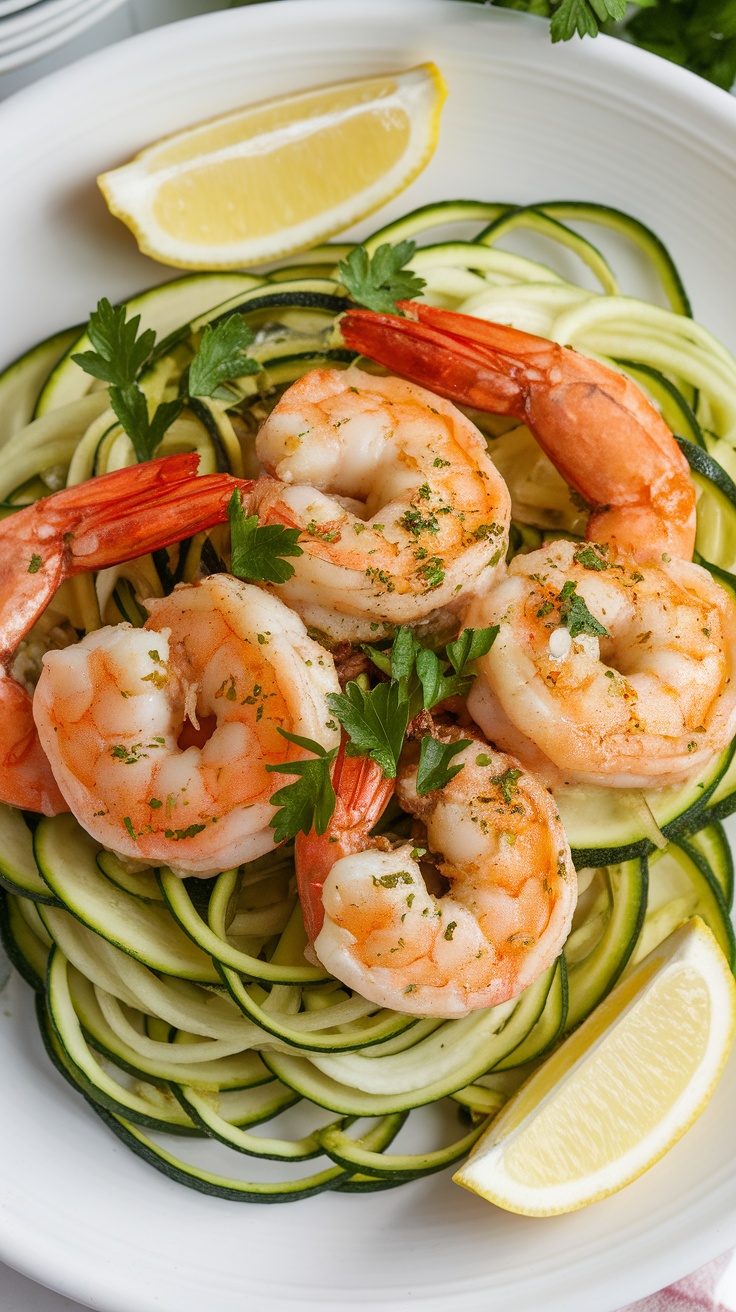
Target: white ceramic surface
point(8, 7)
point(61, 25)
point(38, 18)
point(15, 6)
point(524, 120)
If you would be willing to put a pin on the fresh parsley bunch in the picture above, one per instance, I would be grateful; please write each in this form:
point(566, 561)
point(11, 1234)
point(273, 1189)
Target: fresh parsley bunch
point(698, 34)
point(121, 352)
point(378, 281)
point(376, 719)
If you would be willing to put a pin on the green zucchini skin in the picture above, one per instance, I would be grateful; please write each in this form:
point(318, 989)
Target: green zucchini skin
point(712, 845)
point(22, 381)
point(182, 937)
point(613, 838)
point(591, 979)
point(20, 959)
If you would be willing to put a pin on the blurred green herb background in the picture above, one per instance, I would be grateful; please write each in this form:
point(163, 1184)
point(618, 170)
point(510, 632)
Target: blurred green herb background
point(698, 34)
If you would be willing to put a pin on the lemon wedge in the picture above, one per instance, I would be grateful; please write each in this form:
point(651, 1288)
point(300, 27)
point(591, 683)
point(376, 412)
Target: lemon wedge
point(620, 1091)
point(273, 178)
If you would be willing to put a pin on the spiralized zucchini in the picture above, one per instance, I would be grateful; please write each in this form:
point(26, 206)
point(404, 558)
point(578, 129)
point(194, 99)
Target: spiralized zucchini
point(187, 1007)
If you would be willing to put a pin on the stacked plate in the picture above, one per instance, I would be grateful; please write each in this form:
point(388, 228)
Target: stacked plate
point(32, 28)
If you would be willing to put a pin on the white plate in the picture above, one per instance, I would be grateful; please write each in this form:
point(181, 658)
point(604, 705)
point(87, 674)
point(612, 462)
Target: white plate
point(15, 6)
point(61, 27)
point(35, 17)
point(524, 120)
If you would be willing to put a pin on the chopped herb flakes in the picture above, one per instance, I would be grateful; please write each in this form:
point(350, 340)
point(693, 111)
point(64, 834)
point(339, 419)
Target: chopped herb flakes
point(508, 784)
point(392, 881)
point(591, 557)
point(574, 613)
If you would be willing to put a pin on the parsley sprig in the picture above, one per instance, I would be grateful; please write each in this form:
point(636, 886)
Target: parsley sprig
point(146, 433)
point(379, 281)
point(376, 720)
point(221, 356)
point(434, 769)
point(121, 352)
point(309, 802)
point(574, 613)
point(583, 17)
point(698, 34)
point(258, 551)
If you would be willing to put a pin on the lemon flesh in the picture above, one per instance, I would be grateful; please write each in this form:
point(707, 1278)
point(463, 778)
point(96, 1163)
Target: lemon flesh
point(620, 1091)
point(276, 177)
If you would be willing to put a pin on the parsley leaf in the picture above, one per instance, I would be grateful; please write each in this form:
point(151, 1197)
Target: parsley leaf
point(471, 644)
point(434, 769)
point(131, 407)
point(119, 353)
point(221, 355)
point(590, 557)
point(380, 281)
point(700, 34)
point(583, 17)
point(508, 782)
point(574, 613)
point(375, 721)
point(257, 552)
point(309, 802)
point(117, 359)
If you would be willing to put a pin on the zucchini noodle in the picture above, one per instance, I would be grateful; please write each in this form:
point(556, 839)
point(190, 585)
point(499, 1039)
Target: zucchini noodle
point(187, 1007)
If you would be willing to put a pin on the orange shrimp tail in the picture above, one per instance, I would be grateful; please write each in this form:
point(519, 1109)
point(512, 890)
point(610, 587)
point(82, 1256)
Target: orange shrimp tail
point(102, 522)
point(450, 365)
point(362, 792)
point(141, 509)
point(597, 427)
point(25, 775)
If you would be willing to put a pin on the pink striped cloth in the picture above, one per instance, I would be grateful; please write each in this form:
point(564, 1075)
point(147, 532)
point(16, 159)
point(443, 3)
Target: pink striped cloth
point(696, 1293)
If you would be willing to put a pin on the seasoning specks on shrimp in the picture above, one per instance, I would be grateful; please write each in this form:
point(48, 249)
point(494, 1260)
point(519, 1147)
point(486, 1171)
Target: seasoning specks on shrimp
point(400, 509)
point(641, 694)
point(159, 737)
point(100, 523)
point(512, 889)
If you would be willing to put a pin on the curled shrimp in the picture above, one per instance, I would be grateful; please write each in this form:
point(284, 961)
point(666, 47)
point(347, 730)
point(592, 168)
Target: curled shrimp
point(597, 427)
point(160, 737)
point(400, 509)
point(494, 836)
point(108, 520)
point(645, 701)
point(648, 697)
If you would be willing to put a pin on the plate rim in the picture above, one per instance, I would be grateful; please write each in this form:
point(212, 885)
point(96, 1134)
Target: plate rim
point(604, 52)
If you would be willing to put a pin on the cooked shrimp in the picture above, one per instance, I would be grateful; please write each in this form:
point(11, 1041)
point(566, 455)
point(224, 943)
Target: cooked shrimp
point(361, 794)
point(648, 698)
point(645, 701)
point(512, 892)
point(103, 522)
point(159, 737)
point(401, 510)
point(596, 426)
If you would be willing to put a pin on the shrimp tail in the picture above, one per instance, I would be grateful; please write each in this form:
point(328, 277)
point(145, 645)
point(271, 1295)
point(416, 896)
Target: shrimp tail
point(589, 420)
point(26, 779)
point(362, 794)
point(102, 522)
point(139, 509)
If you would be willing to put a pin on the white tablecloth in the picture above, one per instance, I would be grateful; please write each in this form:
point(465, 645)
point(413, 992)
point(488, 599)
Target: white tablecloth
point(17, 1294)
